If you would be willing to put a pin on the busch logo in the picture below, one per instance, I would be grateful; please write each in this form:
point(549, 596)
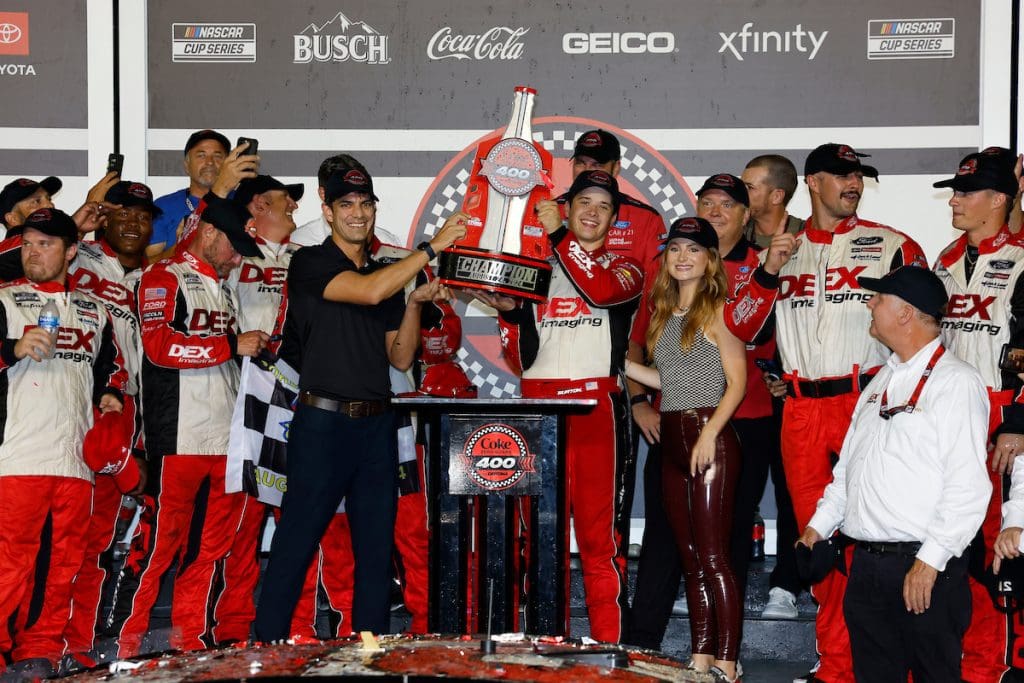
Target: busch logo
point(771, 41)
point(356, 41)
point(499, 42)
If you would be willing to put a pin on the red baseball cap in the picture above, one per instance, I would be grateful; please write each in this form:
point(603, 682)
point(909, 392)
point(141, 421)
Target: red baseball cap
point(107, 449)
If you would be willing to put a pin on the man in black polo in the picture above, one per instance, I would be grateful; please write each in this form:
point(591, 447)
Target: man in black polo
point(346, 324)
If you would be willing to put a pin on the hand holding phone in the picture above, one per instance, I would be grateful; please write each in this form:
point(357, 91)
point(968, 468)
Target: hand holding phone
point(1011, 359)
point(115, 163)
point(253, 145)
point(769, 366)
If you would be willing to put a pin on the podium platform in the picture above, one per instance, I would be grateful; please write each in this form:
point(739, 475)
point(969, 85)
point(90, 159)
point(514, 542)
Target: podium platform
point(483, 458)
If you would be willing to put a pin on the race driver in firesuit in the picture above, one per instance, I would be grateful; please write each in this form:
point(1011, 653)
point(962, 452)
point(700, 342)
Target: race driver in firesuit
point(574, 345)
point(810, 281)
point(983, 272)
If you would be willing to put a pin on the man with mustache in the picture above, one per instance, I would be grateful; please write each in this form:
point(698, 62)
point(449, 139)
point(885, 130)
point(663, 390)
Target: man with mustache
point(810, 282)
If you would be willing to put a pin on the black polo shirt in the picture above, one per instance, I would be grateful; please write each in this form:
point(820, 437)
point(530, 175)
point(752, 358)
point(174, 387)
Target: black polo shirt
point(337, 347)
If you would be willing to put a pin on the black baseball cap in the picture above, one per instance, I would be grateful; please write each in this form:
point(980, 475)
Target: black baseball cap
point(919, 287)
point(207, 134)
point(837, 160)
point(729, 184)
point(599, 145)
point(341, 183)
point(694, 229)
point(128, 193)
point(230, 219)
point(52, 222)
point(250, 187)
point(23, 188)
point(983, 171)
point(598, 179)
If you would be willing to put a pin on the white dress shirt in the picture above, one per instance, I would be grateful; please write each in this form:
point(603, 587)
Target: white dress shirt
point(1013, 509)
point(917, 476)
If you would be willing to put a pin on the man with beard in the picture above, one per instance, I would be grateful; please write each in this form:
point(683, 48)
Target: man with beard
point(257, 286)
point(51, 383)
point(827, 354)
point(110, 269)
point(190, 380)
point(771, 182)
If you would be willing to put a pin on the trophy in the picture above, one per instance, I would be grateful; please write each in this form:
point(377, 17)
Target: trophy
point(506, 247)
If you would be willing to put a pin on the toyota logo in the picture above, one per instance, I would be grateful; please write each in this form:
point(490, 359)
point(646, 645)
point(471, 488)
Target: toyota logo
point(9, 33)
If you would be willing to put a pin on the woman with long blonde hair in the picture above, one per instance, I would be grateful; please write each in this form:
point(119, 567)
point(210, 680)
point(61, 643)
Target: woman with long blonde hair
point(700, 368)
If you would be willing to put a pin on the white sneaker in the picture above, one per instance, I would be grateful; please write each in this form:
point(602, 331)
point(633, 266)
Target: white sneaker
point(680, 608)
point(781, 605)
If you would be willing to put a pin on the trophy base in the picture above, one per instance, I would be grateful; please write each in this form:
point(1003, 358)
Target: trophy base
point(492, 271)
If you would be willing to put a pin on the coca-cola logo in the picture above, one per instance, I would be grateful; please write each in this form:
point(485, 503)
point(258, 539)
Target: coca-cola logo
point(498, 42)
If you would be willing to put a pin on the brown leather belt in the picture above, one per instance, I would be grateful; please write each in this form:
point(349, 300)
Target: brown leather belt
point(349, 408)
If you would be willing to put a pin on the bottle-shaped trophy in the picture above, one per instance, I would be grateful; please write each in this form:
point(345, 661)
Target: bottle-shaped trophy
point(506, 247)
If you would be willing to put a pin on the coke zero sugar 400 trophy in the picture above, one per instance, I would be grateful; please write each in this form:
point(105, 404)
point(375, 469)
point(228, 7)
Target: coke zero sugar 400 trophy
point(506, 247)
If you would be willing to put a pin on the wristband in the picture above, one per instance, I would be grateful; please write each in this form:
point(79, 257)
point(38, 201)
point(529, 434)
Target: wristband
point(425, 247)
point(639, 398)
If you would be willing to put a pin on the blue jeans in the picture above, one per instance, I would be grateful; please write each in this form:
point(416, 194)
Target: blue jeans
point(333, 457)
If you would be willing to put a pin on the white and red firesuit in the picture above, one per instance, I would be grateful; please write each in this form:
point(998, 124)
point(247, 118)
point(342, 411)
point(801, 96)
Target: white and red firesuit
point(98, 271)
point(827, 357)
point(573, 346)
point(190, 376)
point(257, 287)
point(47, 409)
point(986, 311)
point(637, 231)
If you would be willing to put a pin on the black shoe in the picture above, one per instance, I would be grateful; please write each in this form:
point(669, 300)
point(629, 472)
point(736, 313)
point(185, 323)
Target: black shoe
point(31, 669)
point(74, 663)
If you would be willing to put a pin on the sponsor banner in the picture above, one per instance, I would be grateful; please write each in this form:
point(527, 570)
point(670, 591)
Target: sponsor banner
point(43, 60)
point(364, 65)
point(213, 42)
point(911, 38)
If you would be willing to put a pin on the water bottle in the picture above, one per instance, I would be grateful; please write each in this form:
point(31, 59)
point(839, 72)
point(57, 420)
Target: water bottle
point(49, 320)
point(757, 538)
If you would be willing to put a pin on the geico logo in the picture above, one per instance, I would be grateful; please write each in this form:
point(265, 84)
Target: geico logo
point(837, 278)
point(563, 307)
point(796, 285)
point(629, 43)
point(969, 305)
point(268, 276)
point(212, 321)
point(189, 352)
point(103, 288)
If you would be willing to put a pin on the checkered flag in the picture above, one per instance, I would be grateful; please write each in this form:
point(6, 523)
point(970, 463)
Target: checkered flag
point(257, 452)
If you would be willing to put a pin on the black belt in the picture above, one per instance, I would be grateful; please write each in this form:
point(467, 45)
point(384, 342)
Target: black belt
point(890, 547)
point(826, 388)
point(350, 408)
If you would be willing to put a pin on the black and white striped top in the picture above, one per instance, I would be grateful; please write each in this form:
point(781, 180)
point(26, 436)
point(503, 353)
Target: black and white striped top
point(694, 379)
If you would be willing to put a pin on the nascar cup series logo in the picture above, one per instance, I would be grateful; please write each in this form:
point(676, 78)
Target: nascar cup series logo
point(645, 174)
point(496, 457)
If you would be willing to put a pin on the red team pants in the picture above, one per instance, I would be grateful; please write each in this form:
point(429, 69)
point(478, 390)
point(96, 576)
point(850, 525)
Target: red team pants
point(181, 478)
point(813, 430)
point(28, 500)
point(596, 466)
point(991, 643)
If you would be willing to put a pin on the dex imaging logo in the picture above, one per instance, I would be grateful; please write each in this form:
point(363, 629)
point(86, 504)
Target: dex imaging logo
point(911, 38)
point(13, 33)
point(340, 39)
point(213, 42)
point(747, 42)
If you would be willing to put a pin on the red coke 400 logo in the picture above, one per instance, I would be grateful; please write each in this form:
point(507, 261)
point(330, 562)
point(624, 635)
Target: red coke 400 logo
point(645, 174)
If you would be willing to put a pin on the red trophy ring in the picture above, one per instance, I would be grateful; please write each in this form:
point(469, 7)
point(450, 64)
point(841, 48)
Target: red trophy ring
point(506, 248)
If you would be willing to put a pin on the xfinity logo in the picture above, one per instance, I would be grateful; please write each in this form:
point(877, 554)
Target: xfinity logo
point(499, 42)
point(629, 43)
point(746, 41)
point(341, 40)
